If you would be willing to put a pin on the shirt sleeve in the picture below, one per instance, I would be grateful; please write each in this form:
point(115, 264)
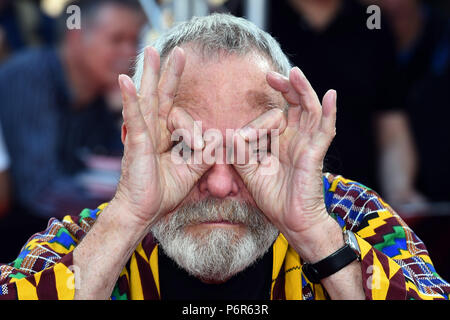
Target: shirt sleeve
point(395, 263)
point(44, 267)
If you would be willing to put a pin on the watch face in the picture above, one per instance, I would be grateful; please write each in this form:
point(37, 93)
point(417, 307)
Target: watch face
point(350, 239)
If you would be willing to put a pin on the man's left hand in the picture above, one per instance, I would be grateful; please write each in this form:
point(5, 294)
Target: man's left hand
point(291, 196)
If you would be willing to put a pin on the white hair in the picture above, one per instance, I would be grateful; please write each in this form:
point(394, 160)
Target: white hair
point(219, 32)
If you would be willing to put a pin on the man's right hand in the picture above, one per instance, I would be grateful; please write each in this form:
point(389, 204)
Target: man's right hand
point(151, 183)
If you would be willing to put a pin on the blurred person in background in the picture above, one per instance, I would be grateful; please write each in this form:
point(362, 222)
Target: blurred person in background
point(22, 25)
point(5, 200)
point(54, 115)
point(5, 184)
point(423, 51)
point(330, 40)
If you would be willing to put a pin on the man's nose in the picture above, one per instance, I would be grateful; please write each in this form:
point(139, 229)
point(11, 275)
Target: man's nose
point(220, 181)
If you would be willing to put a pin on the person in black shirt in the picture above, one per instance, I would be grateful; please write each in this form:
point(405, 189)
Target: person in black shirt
point(423, 46)
point(332, 44)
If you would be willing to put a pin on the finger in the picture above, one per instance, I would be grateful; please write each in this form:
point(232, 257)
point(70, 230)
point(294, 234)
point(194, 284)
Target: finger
point(272, 121)
point(123, 133)
point(170, 78)
point(180, 123)
point(311, 107)
point(132, 116)
point(148, 93)
point(282, 84)
point(244, 159)
point(307, 96)
point(250, 165)
point(294, 114)
point(327, 128)
point(296, 90)
point(328, 121)
point(208, 157)
point(192, 167)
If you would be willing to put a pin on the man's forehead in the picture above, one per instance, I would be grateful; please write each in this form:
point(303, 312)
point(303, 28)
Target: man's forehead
point(232, 90)
point(254, 99)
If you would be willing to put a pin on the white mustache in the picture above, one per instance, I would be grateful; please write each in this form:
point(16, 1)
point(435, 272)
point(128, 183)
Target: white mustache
point(213, 210)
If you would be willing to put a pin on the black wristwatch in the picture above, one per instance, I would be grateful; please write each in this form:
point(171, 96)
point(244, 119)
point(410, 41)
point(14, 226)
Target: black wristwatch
point(334, 262)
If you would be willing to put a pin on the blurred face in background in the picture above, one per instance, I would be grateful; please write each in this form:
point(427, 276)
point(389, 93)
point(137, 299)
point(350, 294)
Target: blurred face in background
point(398, 10)
point(405, 18)
point(109, 43)
point(397, 7)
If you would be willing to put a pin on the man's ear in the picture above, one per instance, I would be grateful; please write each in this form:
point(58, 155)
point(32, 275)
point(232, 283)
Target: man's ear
point(124, 133)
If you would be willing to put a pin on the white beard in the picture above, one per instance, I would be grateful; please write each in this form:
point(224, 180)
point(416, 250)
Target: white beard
point(218, 253)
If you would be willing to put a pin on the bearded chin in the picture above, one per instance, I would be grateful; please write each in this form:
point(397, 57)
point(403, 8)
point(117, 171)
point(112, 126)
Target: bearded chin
point(215, 254)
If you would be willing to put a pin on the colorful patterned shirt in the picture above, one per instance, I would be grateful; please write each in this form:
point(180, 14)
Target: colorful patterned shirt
point(395, 263)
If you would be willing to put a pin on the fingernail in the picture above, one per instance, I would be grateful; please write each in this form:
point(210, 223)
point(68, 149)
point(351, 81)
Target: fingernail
point(299, 72)
point(125, 81)
point(122, 80)
point(275, 75)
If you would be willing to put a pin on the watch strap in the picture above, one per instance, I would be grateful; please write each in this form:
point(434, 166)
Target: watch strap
point(330, 265)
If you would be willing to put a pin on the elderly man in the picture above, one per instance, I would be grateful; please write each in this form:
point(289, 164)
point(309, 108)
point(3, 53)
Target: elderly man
point(184, 228)
point(55, 126)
